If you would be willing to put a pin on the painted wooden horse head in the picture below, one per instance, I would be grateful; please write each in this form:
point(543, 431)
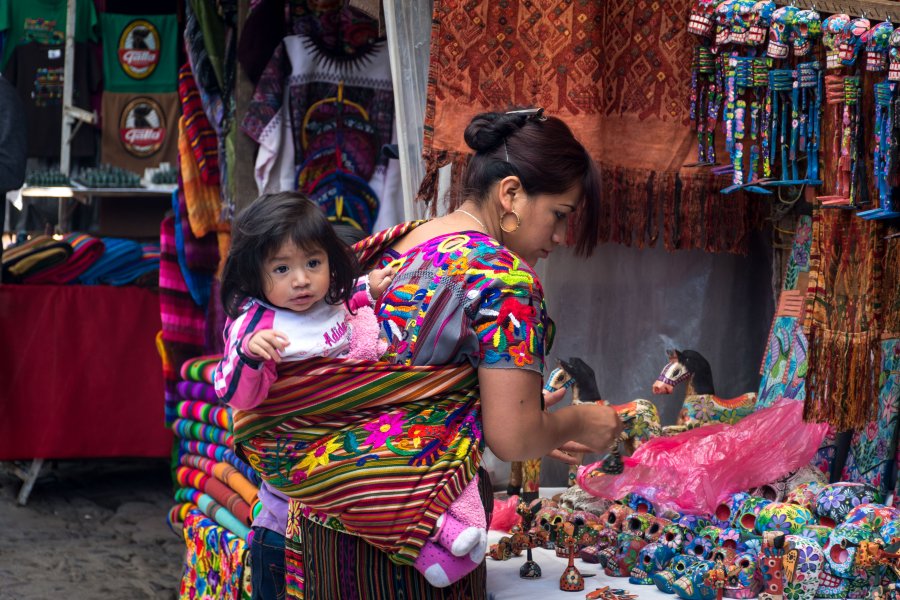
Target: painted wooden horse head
point(685, 365)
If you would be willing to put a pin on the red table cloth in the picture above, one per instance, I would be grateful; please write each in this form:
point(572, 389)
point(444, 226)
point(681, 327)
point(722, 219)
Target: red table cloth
point(79, 373)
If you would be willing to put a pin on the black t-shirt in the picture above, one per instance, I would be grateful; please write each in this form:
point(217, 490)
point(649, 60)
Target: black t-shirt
point(37, 72)
point(12, 140)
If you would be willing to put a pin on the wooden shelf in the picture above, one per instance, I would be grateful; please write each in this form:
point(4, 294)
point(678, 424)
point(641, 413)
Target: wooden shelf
point(874, 10)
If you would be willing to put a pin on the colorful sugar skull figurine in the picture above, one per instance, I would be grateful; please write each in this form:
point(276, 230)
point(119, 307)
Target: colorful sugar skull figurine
point(692, 524)
point(805, 495)
point(656, 529)
point(781, 31)
point(638, 504)
point(700, 546)
point(745, 520)
point(817, 533)
point(678, 566)
point(877, 42)
point(730, 537)
point(808, 29)
point(615, 517)
point(549, 519)
point(627, 549)
point(692, 585)
point(832, 29)
point(638, 524)
point(728, 508)
point(741, 20)
point(894, 58)
point(605, 539)
point(652, 559)
point(851, 40)
point(724, 23)
point(760, 19)
point(502, 550)
point(741, 579)
point(702, 18)
point(783, 517)
point(841, 577)
point(673, 537)
point(836, 500)
point(803, 561)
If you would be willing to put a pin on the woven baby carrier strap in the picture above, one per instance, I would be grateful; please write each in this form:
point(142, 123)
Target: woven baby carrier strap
point(371, 448)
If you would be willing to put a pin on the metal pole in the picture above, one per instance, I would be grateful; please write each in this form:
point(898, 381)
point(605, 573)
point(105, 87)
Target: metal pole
point(65, 156)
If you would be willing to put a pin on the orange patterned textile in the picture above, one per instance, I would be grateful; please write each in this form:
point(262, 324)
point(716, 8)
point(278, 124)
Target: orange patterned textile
point(618, 72)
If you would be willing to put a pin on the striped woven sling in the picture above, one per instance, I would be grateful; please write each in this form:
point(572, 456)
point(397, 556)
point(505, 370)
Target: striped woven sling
point(373, 449)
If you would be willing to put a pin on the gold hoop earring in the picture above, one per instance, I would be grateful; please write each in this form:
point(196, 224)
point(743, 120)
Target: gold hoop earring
point(518, 221)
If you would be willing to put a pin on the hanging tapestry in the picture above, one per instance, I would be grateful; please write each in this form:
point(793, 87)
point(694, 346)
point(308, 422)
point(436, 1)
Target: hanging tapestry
point(785, 363)
point(618, 73)
point(217, 562)
point(841, 319)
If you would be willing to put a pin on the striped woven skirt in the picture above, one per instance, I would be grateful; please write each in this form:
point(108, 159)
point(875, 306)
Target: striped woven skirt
point(330, 565)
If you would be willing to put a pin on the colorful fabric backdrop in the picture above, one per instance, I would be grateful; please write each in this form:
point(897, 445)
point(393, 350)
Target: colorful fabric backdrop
point(619, 73)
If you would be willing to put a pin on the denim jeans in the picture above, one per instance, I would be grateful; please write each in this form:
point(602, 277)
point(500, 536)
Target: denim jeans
point(267, 564)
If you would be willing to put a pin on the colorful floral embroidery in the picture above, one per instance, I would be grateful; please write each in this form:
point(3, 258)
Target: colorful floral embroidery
point(384, 428)
point(320, 456)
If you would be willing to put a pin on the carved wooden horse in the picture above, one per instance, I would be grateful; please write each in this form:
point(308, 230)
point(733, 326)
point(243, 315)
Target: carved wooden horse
point(701, 405)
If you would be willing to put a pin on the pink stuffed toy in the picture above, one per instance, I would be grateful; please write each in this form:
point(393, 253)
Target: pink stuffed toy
point(365, 344)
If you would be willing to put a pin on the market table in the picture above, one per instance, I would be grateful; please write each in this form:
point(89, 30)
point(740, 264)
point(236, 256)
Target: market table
point(80, 375)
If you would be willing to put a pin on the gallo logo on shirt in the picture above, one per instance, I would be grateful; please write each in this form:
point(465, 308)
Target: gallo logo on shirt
point(139, 49)
point(142, 127)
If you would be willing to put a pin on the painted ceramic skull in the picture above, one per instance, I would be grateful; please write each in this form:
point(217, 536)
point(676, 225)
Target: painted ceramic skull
point(701, 19)
point(877, 42)
point(638, 504)
point(615, 517)
point(819, 533)
point(841, 578)
point(691, 586)
point(655, 531)
point(652, 559)
point(673, 537)
point(832, 28)
point(728, 508)
point(702, 544)
point(894, 56)
point(638, 523)
point(547, 523)
point(741, 20)
point(730, 537)
point(724, 22)
point(742, 581)
point(781, 31)
point(605, 539)
point(808, 28)
point(745, 520)
point(628, 547)
point(803, 561)
point(851, 40)
point(760, 20)
point(836, 500)
point(805, 495)
point(783, 517)
point(678, 566)
point(692, 524)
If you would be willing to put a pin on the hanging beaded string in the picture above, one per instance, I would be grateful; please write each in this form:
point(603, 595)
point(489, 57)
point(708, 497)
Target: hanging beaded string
point(760, 82)
point(706, 97)
point(811, 84)
point(743, 74)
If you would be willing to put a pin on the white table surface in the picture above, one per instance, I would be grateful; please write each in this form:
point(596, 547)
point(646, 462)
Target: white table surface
point(503, 581)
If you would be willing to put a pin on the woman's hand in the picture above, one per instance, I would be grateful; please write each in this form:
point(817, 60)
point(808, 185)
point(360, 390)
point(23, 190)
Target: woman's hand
point(566, 452)
point(268, 344)
point(600, 426)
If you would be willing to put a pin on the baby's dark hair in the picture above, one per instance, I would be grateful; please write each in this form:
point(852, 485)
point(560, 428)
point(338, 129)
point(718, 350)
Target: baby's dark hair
point(262, 228)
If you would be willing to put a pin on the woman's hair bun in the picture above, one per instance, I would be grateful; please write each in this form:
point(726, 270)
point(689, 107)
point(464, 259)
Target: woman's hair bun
point(488, 130)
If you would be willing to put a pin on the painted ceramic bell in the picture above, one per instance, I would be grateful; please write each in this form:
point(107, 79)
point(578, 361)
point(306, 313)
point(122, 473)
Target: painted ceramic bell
point(692, 585)
point(745, 520)
point(571, 580)
point(627, 549)
point(741, 581)
point(783, 517)
point(835, 501)
point(652, 559)
point(678, 566)
point(728, 508)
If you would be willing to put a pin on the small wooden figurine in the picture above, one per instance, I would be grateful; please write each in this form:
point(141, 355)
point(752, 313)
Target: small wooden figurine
point(571, 580)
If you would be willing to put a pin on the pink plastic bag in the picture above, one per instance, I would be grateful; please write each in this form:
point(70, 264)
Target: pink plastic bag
point(505, 516)
point(691, 471)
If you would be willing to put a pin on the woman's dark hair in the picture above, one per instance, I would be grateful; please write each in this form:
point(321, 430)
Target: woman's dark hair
point(543, 153)
point(262, 228)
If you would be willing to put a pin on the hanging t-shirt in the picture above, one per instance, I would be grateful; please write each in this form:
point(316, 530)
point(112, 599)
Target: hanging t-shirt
point(320, 125)
point(140, 130)
point(37, 72)
point(43, 21)
point(140, 53)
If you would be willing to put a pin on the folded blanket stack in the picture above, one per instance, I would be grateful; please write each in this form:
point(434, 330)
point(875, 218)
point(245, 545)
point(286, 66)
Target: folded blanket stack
point(86, 250)
point(37, 254)
point(123, 262)
point(210, 478)
point(216, 561)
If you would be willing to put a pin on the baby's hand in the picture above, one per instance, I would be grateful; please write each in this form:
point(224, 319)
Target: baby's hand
point(380, 280)
point(267, 344)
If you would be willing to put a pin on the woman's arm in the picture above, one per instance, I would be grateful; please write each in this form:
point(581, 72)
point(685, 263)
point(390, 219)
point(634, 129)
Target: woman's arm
point(515, 427)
